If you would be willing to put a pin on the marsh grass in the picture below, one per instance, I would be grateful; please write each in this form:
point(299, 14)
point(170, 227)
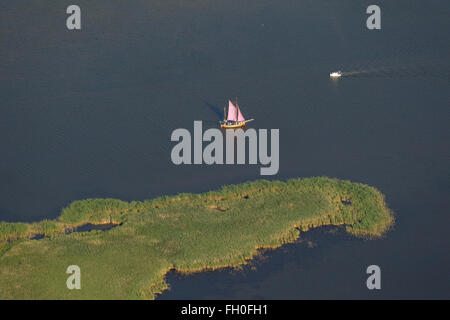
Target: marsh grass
point(185, 232)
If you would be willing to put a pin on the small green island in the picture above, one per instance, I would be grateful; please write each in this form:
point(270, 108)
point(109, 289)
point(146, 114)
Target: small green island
point(186, 232)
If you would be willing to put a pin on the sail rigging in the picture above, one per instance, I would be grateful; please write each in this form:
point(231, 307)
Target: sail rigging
point(234, 113)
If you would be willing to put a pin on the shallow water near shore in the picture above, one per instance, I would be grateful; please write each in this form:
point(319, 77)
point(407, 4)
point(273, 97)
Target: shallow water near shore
point(89, 114)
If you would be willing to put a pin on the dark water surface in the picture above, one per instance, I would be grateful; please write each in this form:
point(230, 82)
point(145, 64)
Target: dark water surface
point(89, 114)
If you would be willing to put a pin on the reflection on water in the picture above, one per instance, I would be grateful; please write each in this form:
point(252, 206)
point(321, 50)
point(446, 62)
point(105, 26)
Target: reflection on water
point(89, 114)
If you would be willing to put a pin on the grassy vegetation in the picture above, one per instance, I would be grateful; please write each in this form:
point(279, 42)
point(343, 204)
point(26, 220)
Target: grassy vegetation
point(186, 232)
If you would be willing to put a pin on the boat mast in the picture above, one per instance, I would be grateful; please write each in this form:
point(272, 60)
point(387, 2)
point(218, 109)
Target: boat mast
point(224, 113)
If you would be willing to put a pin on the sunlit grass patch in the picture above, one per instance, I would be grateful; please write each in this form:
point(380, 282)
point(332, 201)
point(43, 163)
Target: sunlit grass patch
point(186, 232)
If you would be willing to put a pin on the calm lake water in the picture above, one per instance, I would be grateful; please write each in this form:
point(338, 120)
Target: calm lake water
point(89, 114)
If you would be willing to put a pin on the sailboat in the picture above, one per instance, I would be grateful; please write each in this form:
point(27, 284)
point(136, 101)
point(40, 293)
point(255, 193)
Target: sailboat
point(235, 119)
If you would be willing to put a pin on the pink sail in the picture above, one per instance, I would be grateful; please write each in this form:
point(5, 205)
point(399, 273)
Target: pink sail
point(231, 111)
point(240, 116)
